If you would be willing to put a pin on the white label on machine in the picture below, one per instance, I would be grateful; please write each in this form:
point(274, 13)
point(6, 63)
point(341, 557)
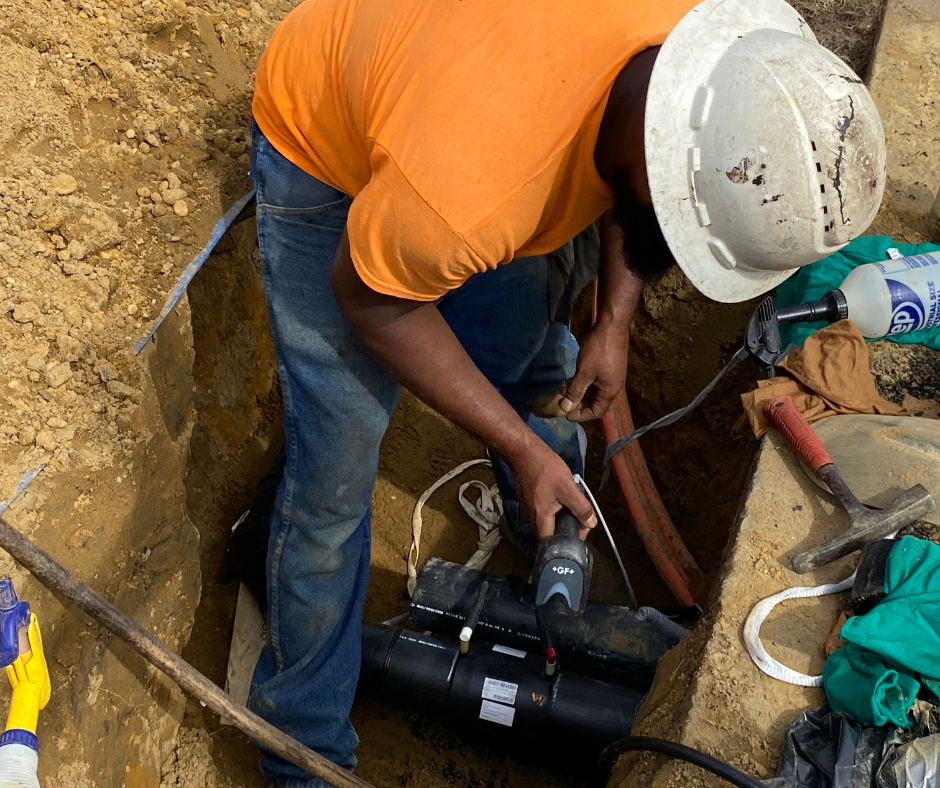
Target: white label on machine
point(502, 691)
point(512, 652)
point(496, 712)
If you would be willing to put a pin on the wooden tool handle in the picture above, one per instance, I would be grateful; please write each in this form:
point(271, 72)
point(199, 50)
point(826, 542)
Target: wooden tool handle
point(783, 413)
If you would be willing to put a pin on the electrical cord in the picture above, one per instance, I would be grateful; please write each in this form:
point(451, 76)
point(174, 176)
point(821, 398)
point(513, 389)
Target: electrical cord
point(631, 595)
point(674, 750)
point(669, 418)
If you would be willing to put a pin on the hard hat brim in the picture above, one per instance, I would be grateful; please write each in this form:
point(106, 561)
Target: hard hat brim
point(689, 54)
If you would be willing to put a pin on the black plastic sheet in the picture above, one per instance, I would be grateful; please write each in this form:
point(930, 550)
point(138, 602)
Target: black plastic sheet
point(825, 749)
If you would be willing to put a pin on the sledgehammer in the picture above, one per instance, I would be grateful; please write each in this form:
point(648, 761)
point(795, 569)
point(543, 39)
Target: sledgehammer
point(865, 524)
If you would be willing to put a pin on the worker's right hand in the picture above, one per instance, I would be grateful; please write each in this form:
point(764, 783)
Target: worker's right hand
point(544, 485)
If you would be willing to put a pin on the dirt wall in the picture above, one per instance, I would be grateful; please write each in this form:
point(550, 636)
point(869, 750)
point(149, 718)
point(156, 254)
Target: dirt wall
point(124, 139)
point(123, 527)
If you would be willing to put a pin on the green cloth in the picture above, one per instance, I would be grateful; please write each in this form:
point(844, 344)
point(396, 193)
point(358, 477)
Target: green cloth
point(894, 649)
point(813, 281)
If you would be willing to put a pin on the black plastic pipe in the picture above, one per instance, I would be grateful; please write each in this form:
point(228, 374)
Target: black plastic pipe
point(498, 692)
point(605, 641)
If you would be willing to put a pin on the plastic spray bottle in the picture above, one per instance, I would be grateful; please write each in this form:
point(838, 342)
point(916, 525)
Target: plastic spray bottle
point(22, 655)
point(894, 296)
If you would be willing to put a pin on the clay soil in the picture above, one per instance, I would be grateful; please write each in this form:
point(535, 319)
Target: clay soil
point(124, 139)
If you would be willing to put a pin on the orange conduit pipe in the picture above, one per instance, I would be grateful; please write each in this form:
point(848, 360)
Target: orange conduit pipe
point(655, 528)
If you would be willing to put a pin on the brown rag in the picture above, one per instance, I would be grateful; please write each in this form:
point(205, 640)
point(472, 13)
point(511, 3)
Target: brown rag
point(828, 375)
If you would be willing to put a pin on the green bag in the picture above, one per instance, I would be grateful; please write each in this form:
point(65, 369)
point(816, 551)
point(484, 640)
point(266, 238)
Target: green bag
point(894, 649)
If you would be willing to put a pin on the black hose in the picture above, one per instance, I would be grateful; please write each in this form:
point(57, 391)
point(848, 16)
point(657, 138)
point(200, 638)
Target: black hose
point(674, 750)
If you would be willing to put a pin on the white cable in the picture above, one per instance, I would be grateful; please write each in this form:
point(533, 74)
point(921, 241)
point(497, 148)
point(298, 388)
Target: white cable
point(762, 609)
point(485, 514)
point(597, 510)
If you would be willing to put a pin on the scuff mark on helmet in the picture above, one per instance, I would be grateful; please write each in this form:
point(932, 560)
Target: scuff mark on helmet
point(843, 129)
point(852, 80)
point(738, 173)
point(843, 126)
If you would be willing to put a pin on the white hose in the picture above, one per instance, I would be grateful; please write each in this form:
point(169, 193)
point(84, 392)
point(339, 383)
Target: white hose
point(597, 510)
point(762, 609)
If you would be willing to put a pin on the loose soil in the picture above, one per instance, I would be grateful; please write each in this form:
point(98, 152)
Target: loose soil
point(125, 137)
point(679, 341)
point(847, 27)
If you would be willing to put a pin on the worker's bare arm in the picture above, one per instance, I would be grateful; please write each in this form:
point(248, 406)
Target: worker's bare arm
point(602, 362)
point(413, 341)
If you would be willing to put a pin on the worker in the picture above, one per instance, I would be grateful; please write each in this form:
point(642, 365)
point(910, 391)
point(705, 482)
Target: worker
point(418, 165)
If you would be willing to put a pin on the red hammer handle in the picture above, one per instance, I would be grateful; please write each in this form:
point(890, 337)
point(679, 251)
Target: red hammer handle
point(783, 413)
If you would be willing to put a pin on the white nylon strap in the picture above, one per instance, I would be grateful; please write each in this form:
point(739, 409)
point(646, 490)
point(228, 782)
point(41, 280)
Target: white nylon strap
point(485, 513)
point(762, 609)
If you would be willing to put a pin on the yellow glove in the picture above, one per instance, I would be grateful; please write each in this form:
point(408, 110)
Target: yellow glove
point(29, 676)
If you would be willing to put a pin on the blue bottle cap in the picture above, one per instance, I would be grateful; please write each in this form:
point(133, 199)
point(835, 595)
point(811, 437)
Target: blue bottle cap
point(8, 598)
point(20, 736)
point(14, 616)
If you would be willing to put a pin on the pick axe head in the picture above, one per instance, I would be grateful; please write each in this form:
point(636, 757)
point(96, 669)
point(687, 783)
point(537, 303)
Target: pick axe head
point(865, 524)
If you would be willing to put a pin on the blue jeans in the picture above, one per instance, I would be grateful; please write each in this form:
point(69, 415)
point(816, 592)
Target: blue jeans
point(337, 405)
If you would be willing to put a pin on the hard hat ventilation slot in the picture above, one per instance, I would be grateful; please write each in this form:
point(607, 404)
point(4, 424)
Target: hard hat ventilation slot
point(822, 187)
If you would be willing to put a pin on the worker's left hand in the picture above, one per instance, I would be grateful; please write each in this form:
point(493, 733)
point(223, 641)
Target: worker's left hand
point(600, 375)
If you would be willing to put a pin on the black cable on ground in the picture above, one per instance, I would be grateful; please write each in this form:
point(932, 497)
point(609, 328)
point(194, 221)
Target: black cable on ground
point(674, 750)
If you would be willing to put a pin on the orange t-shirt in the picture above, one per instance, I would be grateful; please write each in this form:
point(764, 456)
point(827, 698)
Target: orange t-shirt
point(464, 130)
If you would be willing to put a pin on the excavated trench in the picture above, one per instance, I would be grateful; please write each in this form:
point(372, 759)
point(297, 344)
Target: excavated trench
point(678, 342)
point(150, 458)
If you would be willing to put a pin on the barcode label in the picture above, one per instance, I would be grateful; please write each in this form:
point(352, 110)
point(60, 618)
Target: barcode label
point(496, 712)
point(512, 652)
point(501, 691)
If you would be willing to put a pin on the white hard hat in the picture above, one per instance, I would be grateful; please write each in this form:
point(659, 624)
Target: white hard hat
point(764, 151)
